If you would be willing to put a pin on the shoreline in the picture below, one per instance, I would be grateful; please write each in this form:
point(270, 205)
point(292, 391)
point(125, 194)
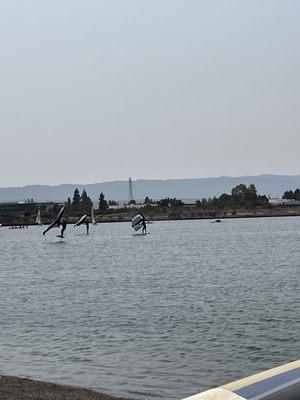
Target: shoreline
point(15, 388)
point(166, 218)
point(170, 215)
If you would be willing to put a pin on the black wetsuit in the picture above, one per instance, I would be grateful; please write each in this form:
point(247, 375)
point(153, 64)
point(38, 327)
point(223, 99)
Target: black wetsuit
point(63, 228)
point(144, 225)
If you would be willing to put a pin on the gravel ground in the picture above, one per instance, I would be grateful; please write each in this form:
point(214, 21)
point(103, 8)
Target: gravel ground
point(13, 388)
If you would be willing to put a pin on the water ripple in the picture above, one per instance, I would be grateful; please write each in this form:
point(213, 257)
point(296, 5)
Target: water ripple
point(189, 307)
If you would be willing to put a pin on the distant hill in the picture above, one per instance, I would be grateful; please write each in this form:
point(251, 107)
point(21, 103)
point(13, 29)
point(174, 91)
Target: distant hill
point(274, 185)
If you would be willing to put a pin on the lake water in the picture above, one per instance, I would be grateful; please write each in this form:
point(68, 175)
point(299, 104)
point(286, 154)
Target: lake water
point(191, 306)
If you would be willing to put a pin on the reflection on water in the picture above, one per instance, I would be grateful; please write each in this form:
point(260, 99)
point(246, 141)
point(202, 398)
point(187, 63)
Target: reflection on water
point(190, 306)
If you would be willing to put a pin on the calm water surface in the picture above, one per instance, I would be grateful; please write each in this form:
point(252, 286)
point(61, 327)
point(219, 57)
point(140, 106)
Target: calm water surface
point(191, 306)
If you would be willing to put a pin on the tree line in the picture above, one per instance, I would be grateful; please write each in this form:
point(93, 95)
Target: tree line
point(241, 197)
point(292, 195)
point(82, 203)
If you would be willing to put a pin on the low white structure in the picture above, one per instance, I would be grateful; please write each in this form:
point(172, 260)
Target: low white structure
point(284, 202)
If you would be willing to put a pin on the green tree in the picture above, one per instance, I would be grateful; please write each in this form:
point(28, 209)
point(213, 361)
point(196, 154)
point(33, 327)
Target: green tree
point(132, 202)
point(204, 202)
point(76, 201)
point(147, 200)
point(68, 206)
point(289, 195)
point(243, 196)
point(198, 203)
point(214, 203)
point(103, 205)
point(86, 203)
point(176, 203)
point(262, 201)
point(251, 197)
point(238, 195)
point(164, 202)
point(168, 202)
point(224, 201)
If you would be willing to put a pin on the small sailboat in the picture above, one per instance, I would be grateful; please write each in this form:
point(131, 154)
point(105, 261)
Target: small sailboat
point(38, 219)
point(93, 217)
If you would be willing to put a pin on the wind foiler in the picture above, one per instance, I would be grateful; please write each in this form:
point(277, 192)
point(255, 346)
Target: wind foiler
point(137, 222)
point(83, 220)
point(57, 222)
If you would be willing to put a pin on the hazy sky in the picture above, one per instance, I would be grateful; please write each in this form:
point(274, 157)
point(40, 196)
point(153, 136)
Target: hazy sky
point(101, 90)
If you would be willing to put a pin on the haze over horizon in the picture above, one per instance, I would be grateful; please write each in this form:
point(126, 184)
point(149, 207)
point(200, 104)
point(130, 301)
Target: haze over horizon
point(101, 91)
point(151, 179)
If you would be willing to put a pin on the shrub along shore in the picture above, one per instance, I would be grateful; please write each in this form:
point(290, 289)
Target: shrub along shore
point(158, 214)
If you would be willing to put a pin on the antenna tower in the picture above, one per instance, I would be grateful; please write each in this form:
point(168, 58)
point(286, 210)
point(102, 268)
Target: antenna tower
point(130, 195)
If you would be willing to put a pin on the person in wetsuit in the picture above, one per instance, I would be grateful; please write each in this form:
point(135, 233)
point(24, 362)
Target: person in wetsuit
point(63, 228)
point(144, 230)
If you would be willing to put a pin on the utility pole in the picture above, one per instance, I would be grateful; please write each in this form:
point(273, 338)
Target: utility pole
point(130, 195)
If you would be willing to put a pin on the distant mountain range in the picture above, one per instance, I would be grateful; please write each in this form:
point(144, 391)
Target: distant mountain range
point(273, 185)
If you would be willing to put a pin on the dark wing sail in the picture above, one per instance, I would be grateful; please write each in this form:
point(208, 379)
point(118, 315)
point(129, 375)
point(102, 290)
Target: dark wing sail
point(137, 219)
point(138, 227)
point(56, 222)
